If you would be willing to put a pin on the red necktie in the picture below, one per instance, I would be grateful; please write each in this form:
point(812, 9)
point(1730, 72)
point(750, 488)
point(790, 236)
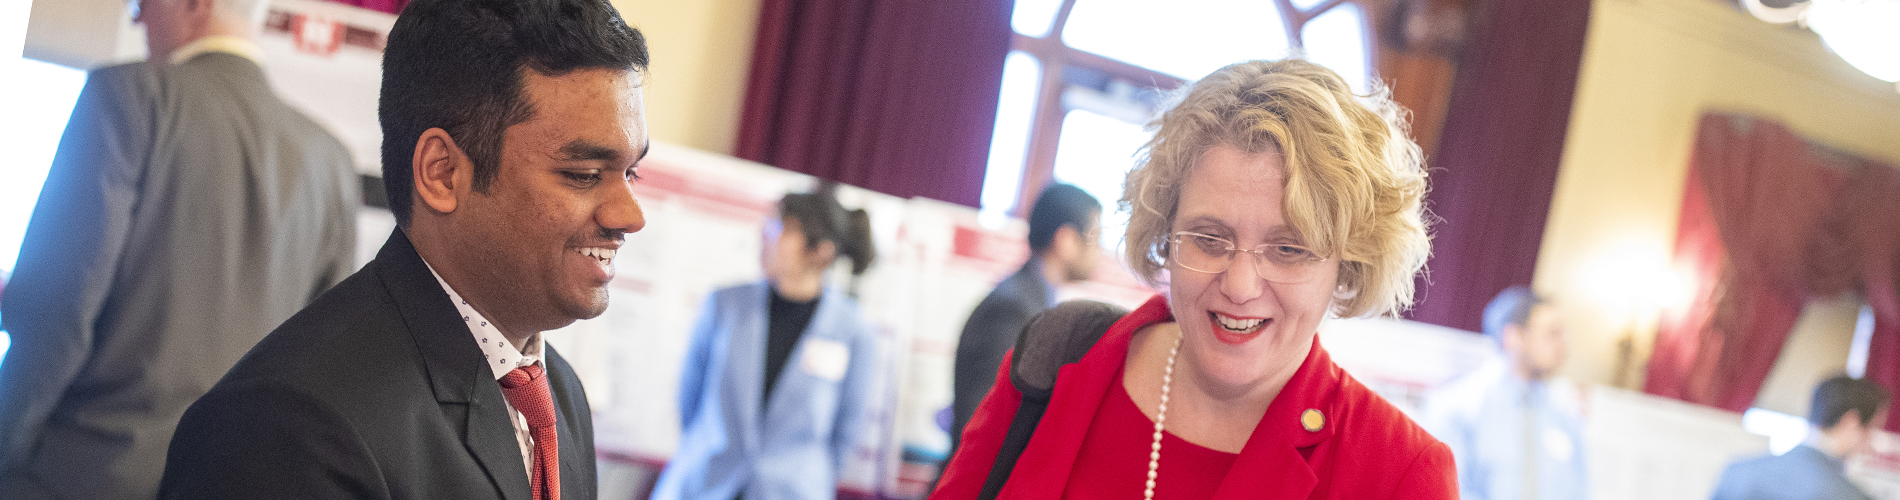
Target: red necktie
point(527, 389)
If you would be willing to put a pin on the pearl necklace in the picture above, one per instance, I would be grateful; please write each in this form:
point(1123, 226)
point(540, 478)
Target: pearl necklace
point(1161, 416)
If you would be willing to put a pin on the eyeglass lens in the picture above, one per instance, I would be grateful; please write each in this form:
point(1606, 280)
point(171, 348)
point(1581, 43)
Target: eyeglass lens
point(1281, 263)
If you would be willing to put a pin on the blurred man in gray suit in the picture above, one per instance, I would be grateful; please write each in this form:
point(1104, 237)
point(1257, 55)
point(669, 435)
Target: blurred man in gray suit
point(187, 213)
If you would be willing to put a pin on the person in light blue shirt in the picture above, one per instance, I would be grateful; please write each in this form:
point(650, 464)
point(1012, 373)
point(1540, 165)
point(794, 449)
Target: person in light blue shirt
point(778, 381)
point(1844, 415)
point(1515, 431)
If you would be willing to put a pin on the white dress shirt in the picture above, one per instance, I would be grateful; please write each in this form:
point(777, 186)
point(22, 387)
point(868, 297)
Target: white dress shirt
point(502, 358)
point(228, 44)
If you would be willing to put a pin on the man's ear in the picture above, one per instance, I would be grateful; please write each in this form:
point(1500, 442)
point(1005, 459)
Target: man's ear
point(1512, 337)
point(442, 171)
point(1851, 415)
point(1065, 242)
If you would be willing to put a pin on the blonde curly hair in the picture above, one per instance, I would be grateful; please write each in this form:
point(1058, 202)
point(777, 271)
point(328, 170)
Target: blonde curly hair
point(1354, 183)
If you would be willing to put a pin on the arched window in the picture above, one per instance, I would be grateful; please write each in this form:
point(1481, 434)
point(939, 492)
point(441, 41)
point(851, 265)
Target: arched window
point(1084, 76)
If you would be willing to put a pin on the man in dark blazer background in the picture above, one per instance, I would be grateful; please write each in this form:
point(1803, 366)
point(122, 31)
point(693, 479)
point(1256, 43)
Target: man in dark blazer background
point(1064, 228)
point(511, 134)
point(187, 213)
point(1843, 417)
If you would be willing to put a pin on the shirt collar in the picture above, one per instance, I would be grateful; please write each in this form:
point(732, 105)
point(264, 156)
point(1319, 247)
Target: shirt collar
point(500, 355)
point(229, 44)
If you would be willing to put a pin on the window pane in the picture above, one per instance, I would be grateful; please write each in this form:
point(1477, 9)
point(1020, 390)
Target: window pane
point(1187, 38)
point(1307, 4)
point(1009, 144)
point(1784, 431)
point(1337, 40)
point(1034, 17)
point(1095, 154)
point(37, 98)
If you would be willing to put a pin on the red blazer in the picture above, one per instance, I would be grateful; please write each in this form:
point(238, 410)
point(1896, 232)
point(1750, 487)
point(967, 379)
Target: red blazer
point(1364, 448)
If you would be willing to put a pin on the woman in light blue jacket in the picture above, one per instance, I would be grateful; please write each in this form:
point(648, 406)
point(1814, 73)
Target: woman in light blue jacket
point(778, 377)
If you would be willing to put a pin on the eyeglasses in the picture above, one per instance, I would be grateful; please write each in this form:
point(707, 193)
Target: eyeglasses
point(1276, 262)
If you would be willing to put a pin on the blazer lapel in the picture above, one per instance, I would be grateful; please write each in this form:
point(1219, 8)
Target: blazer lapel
point(454, 365)
point(572, 451)
point(1271, 465)
point(745, 364)
point(490, 437)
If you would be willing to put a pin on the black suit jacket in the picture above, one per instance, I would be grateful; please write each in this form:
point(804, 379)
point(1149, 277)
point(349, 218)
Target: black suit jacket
point(989, 335)
point(376, 390)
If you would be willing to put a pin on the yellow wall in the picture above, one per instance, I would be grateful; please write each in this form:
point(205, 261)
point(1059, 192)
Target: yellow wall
point(1815, 350)
point(702, 51)
point(1650, 69)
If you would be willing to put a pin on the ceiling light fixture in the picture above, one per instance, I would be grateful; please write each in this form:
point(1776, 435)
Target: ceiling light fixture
point(1861, 32)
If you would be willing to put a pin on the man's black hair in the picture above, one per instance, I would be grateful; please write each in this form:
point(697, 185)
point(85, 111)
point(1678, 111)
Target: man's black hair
point(1060, 205)
point(1511, 307)
point(458, 65)
point(1836, 395)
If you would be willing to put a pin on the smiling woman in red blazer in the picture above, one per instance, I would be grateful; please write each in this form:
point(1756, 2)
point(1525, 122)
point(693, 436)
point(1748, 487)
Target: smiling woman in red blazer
point(1269, 199)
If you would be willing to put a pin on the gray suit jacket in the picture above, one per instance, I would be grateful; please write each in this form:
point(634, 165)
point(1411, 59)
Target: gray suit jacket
point(1803, 473)
point(989, 335)
point(187, 213)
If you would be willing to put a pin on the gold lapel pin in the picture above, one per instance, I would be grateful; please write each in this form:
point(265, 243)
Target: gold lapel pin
point(1312, 420)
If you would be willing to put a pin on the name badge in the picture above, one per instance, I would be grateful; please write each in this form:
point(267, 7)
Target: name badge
point(825, 359)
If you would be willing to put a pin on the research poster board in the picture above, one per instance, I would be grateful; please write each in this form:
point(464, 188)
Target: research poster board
point(326, 59)
point(705, 214)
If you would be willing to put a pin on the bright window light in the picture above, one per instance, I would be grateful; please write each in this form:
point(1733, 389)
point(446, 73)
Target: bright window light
point(1307, 4)
point(1337, 40)
point(1184, 38)
point(1094, 154)
point(1784, 431)
point(1863, 341)
point(1034, 17)
point(1009, 144)
point(37, 98)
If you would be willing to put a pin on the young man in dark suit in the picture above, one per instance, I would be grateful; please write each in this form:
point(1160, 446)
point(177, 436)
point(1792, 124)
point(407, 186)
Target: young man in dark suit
point(511, 134)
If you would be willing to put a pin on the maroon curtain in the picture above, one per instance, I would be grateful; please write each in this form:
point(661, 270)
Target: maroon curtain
point(1497, 159)
point(1769, 220)
point(1699, 255)
point(1875, 201)
point(897, 96)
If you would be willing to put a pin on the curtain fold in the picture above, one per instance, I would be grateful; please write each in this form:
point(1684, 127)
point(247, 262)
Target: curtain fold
point(1770, 219)
point(896, 96)
point(1498, 155)
point(1877, 237)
